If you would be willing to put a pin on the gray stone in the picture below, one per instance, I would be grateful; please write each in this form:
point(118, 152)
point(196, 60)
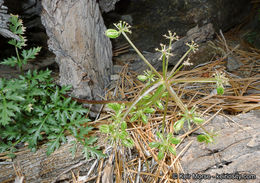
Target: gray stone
point(153, 18)
point(236, 150)
point(233, 63)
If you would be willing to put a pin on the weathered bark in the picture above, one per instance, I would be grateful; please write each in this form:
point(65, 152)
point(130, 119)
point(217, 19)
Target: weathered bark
point(38, 167)
point(4, 17)
point(76, 36)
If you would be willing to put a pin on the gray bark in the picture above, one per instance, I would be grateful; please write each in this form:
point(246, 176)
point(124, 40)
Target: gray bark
point(38, 167)
point(4, 17)
point(76, 36)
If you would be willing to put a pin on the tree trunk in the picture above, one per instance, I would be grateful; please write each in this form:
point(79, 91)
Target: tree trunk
point(40, 168)
point(76, 36)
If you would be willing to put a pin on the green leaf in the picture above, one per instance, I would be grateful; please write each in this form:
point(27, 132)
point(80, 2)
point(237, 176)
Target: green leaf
point(178, 125)
point(114, 106)
point(64, 89)
point(220, 90)
point(11, 61)
point(6, 113)
point(205, 138)
point(144, 118)
point(134, 118)
point(15, 97)
point(36, 92)
point(3, 147)
point(30, 54)
point(147, 97)
point(123, 125)
point(123, 135)
point(67, 101)
point(160, 136)
point(41, 75)
point(11, 155)
point(73, 130)
point(161, 154)
point(172, 150)
point(104, 128)
point(12, 42)
point(91, 140)
point(197, 120)
point(148, 110)
point(73, 149)
point(21, 43)
point(85, 131)
point(159, 104)
point(128, 142)
point(52, 146)
point(154, 144)
point(175, 140)
point(157, 94)
point(142, 77)
point(165, 94)
point(93, 151)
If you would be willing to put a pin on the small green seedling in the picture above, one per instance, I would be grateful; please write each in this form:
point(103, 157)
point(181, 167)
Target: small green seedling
point(22, 55)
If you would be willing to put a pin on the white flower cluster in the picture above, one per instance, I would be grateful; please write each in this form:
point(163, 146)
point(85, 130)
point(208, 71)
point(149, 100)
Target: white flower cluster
point(123, 26)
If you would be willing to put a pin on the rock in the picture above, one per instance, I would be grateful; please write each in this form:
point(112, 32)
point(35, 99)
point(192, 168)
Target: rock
point(107, 5)
point(233, 63)
point(200, 35)
point(153, 18)
point(237, 149)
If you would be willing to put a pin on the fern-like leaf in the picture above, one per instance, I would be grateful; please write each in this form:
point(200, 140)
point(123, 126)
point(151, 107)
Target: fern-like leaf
point(11, 61)
point(30, 54)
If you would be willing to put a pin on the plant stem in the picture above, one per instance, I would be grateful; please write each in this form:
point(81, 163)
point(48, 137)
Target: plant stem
point(164, 114)
point(163, 66)
point(179, 62)
point(139, 98)
point(192, 80)
point(176, 98)
point(141, 56)
point(18, 59)
point(167, 60)
point(204, 129)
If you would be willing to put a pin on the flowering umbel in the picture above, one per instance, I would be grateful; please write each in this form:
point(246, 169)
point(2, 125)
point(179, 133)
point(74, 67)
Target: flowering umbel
point(121, 26)
point(165, 51)
point(193, 46)
point(221, 80)
point(171, 36)
point(187, 62)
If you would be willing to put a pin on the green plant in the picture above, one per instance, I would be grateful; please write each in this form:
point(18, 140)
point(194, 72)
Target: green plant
point(116, 130)
point(33, 109)
point(16, 26)
point(165, 144)
point(159, 86)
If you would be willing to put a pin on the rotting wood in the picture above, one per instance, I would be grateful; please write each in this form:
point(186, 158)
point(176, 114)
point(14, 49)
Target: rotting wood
point(38, 167)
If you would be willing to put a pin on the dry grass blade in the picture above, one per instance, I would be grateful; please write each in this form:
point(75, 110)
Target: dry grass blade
point(108, 170)
point(19, 176)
